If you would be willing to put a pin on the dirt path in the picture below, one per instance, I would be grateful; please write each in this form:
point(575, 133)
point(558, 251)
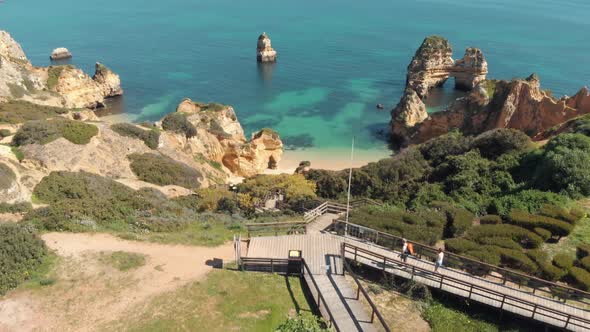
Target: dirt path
point(89, 293)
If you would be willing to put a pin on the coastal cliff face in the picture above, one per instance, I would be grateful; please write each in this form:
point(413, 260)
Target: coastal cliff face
point(61, 86)
point(518, 104)
point(218, 151)
point(220, 137)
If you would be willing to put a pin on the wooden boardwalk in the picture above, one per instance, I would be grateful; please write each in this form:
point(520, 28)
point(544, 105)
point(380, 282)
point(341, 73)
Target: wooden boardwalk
point(322, 252)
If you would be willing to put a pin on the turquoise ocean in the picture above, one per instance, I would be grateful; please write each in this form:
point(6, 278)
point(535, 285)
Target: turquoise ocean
point(337, 59)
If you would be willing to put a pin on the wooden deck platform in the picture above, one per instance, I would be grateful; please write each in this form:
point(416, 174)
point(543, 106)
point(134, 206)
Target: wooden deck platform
point(322, 252)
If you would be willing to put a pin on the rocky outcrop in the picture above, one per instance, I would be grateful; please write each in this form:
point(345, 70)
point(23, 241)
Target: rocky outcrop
point(60, 53)
point(518, 104)
point(62, 86)
point(433, 64)
point(108, 82)
point(264, 50)
point(470, 70)
point(220, 138)
point(408, 112)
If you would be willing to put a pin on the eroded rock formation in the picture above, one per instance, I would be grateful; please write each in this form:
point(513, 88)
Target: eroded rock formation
point(60, 86)
point(220, 137)
point(264, 50)
point(519, 104)
point(60, 53)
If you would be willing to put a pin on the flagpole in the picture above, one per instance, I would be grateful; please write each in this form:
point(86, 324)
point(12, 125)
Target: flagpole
point(349, 184)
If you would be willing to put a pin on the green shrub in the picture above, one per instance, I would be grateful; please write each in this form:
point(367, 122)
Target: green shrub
point(295, 187)
point(21, 252)
point(530, 221)
point(484, 255)
point(516, 259)
point(502, 242)
point(5, 133)
point(563, 261)
point(416, 290)
point(16, 207)
point(18, 111)
point(582, 251)
point(580, 278)
point(519, 235)
point(205, 199)
point(458, 220)
point(459, 246)
point(53, 74)
point(227, 204)
point(305, 322)
point(162, 170)
point(20, 156)
point(585, 262)
point(496, 142)
point(438, 149)
point(543, 233)
point(561, 213)
point(525, 200)
point(490, 219)
point(7, 177)
point(150, 137)
point(178, 123)
point(564, 165)
point(547, 270)
point(46, 131)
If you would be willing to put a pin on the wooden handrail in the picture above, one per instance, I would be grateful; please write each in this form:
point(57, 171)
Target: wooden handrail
point(507, 274)
point(452, 282)
point(320, 295)
point(375, 310)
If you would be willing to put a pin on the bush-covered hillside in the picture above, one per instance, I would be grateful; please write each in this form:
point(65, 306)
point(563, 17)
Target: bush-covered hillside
point(497, 197)
point(21, 252)
point(150, 136)
point(46, 131)
point(163, 170)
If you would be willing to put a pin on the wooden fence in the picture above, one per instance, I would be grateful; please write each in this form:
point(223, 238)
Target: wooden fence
point(472, 291)
point(474, 267)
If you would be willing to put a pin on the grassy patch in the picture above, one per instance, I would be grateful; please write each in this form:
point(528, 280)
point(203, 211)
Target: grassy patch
point(162, 170)
point(210, 234)
point(44, 274)
point(18, 111)
point(225, 301)
point(53, 75)
point(200, 158)
point(47, 131)
point(150, 137)
point(579, 235)
point(123, 261)
point(178, 123)
point(443, 319)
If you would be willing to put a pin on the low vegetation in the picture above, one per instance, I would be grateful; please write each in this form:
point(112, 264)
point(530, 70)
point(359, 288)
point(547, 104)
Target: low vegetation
point(163, 170)
point(297, 190)
point(122, 260)
point(15, 208)
point(227, 300)
point(18, 111)
point(53, 75)
point(178, 123)
point(21, 252)
point(46, 131)
point(150, 137)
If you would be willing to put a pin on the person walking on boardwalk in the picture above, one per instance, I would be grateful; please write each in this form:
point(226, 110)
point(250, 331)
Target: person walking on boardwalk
point(404, 254)
point(411, 248)
point(439, 259)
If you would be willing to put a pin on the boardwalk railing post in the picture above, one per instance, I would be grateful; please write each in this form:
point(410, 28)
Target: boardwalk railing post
point(272, 267)
point(412, 276)
point(358, 293)
point(567, 322)
point(373, 315)
point(384, 262)
point(534, 311)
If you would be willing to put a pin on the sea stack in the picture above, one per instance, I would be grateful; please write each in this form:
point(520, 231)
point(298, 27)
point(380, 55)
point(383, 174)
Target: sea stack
point(60, 53)
point(264, 50)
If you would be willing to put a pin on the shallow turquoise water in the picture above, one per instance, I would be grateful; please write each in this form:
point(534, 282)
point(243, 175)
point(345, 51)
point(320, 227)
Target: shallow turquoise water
point(337, 59)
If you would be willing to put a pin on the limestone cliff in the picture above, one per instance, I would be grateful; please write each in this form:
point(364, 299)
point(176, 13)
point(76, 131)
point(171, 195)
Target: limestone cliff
point(519, 104)
point(65, 86)
point(433, 64)
point(220, 137)
point(264, 50)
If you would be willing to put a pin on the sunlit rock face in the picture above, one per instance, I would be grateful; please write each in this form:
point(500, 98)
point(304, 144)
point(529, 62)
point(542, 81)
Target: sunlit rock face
point(264, 50)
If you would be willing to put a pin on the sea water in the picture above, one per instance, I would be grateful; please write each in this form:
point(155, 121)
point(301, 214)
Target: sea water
point(336, 59)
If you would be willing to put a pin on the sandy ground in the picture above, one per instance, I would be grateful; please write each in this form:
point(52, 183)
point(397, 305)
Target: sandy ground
point(89, 293)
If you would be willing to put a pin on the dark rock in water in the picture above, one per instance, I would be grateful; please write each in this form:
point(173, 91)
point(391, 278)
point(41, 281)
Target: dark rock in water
point(380, 106)
point(298, 142)
point(60, 53)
